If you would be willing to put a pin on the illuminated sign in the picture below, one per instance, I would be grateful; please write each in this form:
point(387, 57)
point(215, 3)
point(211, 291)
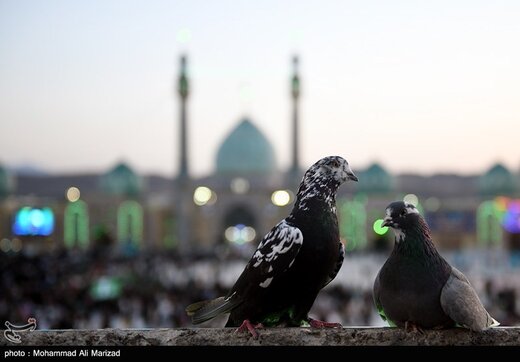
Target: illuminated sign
point(31, 221)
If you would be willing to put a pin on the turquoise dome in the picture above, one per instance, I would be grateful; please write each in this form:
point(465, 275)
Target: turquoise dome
point(246, 151)
point(375, 179)
point(121, 180)
point(497, 181)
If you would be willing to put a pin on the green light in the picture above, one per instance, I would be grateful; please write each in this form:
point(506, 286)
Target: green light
point(378, 228)
point(76, 224)
point(352, 218)
point(130, 222)
point(106, 288)
point(489, 228)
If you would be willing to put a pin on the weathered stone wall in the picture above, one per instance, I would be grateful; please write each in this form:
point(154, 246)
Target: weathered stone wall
point(268, 337)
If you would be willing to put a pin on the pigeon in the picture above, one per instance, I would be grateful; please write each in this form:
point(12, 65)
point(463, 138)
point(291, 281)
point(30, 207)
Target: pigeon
point(416, 288)
point(293, 262)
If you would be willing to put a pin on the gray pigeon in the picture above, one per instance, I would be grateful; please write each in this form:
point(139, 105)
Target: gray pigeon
point(416, 288)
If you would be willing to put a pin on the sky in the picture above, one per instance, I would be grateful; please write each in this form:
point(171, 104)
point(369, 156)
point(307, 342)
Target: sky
point(419, 86)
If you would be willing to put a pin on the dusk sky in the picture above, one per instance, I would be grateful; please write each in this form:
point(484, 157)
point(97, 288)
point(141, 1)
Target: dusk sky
point(420, 86)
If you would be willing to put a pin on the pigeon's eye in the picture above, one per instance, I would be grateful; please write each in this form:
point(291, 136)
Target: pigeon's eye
point(334, 163)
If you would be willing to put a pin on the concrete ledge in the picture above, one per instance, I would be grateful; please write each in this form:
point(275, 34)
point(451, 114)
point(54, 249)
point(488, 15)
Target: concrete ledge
point(502, 336)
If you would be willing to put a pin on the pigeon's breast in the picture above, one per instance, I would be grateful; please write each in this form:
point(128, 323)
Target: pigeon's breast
point(411, 292)
point(319, 253)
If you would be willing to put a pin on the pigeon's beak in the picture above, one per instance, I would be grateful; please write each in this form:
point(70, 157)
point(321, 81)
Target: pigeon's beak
point(387, 221)
point(351, 176)
point(345, 174)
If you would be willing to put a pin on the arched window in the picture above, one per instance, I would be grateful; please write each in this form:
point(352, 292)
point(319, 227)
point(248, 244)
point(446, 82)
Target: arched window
point(130, 222)
point(489, 228)
point(76, 224)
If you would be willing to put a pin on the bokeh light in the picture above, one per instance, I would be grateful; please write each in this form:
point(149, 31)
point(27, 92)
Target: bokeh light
point(281, 197)
point(511, 218)
point(240, 234)
point(378, 227)
point(411, 199)
point(16, 245)
point(204, 196)
point(501, 203)
point(36, 218)
point(33, 221)
point(5, 245)
point(73, 194)
point(432, 204)
point(239, 185)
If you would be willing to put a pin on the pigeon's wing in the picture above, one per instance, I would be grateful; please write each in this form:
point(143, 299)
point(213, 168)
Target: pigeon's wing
point(461, 303)
point(376, 294)
point(339, 263)
point(275, 255)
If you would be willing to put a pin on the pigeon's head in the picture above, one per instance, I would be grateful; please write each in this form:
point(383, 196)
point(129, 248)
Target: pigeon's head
point(402, 217)
point(321, 181)
point(329, 170)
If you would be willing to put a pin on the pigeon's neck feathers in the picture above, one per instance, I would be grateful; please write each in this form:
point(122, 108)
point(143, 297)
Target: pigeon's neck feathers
point(417, 242)
point(420, 230)
point(318, 191)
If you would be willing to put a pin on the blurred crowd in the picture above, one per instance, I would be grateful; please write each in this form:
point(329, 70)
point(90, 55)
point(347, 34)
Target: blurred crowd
point(101, 289)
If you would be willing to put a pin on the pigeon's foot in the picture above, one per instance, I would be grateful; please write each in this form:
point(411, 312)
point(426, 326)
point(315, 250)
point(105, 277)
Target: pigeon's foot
point(412, 327)
point(314, 323)
point(247, 326)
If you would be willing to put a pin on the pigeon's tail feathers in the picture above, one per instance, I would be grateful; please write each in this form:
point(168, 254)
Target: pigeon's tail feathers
point(195, 307)
point(208, 309)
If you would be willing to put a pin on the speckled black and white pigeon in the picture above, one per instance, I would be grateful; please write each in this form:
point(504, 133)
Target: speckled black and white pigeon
point(292, 263)
point(416, 288)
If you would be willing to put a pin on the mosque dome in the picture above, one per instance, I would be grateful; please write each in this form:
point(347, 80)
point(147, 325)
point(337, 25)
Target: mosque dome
point(121, 180)
point(497, 181)
point(375, 179)
point(246, 151)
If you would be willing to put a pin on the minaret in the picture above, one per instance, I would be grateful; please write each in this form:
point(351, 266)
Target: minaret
point(295, 92)
point(182, 206)
point(183, 134)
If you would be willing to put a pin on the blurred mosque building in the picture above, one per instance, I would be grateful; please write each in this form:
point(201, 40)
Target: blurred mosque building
point(241, 200)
